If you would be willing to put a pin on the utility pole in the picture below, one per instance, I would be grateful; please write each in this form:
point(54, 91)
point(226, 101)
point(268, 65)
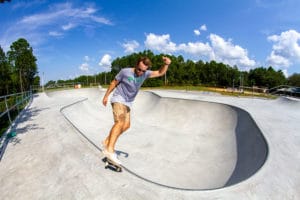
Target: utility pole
point(165, 78)
point(43, 89)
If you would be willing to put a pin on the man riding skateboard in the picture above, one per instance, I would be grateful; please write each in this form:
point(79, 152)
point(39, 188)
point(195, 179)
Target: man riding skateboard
point(126, 86)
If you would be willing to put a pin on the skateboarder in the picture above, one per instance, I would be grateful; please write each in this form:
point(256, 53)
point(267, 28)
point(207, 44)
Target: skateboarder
point(127, 84)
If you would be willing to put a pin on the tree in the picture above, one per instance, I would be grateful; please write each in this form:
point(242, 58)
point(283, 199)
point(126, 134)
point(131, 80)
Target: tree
point(5, 79)
point(294, 80)
point(266, 77)
point(274, 78)
point(23, 62)
point(50, 83)
point(257, 76)
point(37, 81)
point(182, 72)
point(3, 1)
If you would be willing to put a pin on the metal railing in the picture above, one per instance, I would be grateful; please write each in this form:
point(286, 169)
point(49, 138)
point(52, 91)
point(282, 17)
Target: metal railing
point(11, 105)
point(285, 90)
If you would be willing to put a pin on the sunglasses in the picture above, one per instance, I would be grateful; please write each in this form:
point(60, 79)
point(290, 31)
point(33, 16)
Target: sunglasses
point(140, 70)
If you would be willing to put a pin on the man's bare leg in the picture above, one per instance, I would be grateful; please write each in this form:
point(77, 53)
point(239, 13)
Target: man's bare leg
point(122, 123)
point(115, 132)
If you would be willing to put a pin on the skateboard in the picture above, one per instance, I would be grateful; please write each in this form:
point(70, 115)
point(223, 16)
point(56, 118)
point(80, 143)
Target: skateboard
point(112, 165)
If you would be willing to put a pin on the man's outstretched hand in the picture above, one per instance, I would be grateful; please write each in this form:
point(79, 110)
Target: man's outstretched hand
point(167, 60)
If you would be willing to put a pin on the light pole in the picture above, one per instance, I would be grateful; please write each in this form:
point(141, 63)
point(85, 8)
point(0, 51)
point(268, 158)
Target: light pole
point(43, 89)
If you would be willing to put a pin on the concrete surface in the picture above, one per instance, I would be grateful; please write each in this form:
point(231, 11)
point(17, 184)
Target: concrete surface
point(181, 145)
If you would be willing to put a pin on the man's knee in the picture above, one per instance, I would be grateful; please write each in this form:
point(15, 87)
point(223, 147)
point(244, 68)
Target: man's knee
point(126, 126)
point(123, 126)
point(119, 124)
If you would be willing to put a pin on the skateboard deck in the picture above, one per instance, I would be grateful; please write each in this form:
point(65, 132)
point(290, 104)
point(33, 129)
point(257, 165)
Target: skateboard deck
point(112, 165)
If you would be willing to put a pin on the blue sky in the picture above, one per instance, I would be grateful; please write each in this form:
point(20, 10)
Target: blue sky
point(73, 38)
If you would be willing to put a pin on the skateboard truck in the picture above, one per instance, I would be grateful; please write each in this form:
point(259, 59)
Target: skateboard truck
point(112, 165)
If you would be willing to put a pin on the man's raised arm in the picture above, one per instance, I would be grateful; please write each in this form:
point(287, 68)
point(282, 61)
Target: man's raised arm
point(163, 69)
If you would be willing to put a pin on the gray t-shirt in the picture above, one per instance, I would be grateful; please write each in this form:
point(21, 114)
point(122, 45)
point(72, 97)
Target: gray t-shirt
point(129, 85)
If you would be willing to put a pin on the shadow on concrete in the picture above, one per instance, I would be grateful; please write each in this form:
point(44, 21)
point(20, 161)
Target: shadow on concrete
point(24, 116)
point(252, 148)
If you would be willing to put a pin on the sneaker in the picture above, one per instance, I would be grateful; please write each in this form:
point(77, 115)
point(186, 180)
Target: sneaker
point(113, 157)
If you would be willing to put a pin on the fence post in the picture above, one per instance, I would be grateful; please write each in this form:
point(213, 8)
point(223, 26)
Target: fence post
point(17, 103)
point(7, 110)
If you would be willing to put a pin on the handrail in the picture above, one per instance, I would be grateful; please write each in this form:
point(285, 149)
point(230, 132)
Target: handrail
point(24, 95)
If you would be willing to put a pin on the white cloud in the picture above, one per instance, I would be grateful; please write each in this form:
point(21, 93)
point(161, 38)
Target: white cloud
point(61, 12)
point(218, 49)
point(58, 18)
point(285, 50)
point(225, 51)
point(203, 28)
point(101, 20)
point(84, 67)
point(68, 26)
point(27, 4)
point(55, 33)
point(86, 58)
point(196, 48)
point(285, 72)
point(130, 46)
point(197, 32)
point(160, 43)
point(277, 60)
point(105, 61)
